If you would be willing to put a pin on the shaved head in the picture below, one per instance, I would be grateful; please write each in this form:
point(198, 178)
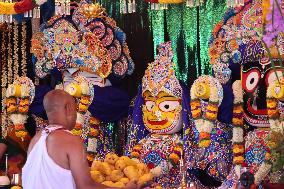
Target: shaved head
point(60, 108)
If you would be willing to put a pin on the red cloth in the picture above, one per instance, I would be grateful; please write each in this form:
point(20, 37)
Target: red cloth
point(24, 6)
point(273, 186)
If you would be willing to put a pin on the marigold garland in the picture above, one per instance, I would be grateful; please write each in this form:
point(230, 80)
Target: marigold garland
point(19, 95)
point(92, 138)
point(276, 125)
point(205, 125)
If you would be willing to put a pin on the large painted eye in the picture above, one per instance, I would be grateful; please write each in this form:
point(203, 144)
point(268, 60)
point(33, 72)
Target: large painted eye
point(271, 77)
point(150, 105)
point(168, 106)
point(250, 80)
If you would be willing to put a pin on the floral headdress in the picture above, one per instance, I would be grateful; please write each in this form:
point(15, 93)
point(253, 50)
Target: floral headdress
point(91, 41)
point(93, 18)
point(160, 74)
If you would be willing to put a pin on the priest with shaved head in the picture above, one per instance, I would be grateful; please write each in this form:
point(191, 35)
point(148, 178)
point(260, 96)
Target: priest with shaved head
point(56, 158)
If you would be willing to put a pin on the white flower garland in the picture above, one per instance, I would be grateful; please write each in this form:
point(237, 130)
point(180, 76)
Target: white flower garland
point(40, 2)
point(275, 125)
point(261, 173)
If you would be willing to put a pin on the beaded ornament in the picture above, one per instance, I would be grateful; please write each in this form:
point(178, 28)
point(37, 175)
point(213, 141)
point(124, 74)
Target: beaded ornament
point(160, 74)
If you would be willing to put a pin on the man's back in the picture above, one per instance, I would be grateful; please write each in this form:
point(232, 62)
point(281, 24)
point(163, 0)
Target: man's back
point(49, 161)
point(58, 143)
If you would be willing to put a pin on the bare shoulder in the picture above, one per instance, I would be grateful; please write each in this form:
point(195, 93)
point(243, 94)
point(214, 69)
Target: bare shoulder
point(34, 141)
point(64, 139)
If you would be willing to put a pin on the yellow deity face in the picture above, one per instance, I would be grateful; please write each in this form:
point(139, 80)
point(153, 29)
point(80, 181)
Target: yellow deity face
point(162, 113)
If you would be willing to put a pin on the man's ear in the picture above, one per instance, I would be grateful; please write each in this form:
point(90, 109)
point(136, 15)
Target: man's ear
point(68, 109)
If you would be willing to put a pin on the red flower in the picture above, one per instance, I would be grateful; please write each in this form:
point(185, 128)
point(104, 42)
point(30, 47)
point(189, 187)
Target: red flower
point(150, 165)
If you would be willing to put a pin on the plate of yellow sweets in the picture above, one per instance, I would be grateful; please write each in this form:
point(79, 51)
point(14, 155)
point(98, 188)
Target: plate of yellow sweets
point(115, 171)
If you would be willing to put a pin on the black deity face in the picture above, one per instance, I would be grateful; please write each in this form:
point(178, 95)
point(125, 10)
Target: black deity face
point(256, 77)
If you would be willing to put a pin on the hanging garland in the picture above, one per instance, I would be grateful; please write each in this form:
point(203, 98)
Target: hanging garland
point(275, 92)
point(205, 87)
point(15, 50)
point(19, 7)
point(19, 95)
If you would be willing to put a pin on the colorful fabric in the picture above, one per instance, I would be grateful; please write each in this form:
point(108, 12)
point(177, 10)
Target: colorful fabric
point(216, 160)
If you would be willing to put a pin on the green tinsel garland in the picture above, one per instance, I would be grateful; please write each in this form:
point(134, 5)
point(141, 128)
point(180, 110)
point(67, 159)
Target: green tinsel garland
point(157, 27)
point(209, 15)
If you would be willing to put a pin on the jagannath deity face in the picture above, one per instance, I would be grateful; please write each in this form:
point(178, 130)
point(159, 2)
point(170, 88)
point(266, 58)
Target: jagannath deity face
point(256, 77)
point(162, 113)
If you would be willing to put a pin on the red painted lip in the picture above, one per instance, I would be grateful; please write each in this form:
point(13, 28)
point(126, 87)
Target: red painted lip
point(256, 112)
point(158, 122)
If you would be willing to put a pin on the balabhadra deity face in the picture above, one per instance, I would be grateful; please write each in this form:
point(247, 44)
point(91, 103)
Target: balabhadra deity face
point(162, 113)
point(256, 77)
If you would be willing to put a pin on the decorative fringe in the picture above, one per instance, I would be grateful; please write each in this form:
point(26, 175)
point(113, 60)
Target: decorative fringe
point(62, 7)
point(127, 6)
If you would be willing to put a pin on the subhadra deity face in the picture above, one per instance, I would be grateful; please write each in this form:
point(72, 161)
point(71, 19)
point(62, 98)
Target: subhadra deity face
point(256, 77)
point(162, 113)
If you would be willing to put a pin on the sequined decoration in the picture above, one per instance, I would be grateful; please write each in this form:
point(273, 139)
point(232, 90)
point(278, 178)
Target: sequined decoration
point(190, 35)
point(157, 27)
point(173, 14)
point(209, 15)
point(183, 34)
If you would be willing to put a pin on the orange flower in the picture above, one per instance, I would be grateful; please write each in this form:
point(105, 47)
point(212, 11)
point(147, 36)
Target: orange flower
point(233, 45)
point(237, 121)
point(272, 112)
point(94, 121)
point(90, 157)
point(238, 150)
point(94, 132)
point(204, 143)
point(211, 116)
point(195, 104)
point(196, 113)
point(21, 134)
point(238, 109)
point(212, 171)
point(135, 154)
point(19, 127)
point(82, 108)
point(212, 107)
point(85, 100)
point(238, 160)
point(78, 126)
point(24, 102)
point(178, 149)
point(271, 103)
point(204, 135)
point(174, 157)
point(23, 109)
point(137, 147)
point(11, 109)
point(11, 101)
